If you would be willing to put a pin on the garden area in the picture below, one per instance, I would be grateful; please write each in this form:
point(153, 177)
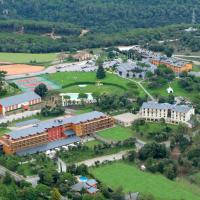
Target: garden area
point(131, 179)
point(117, 133)
point(3, 131)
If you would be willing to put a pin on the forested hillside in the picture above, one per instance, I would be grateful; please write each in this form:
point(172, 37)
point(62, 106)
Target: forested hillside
point(103, 15)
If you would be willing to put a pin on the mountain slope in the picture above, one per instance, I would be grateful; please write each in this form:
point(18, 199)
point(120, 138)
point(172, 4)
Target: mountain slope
point(103, 15)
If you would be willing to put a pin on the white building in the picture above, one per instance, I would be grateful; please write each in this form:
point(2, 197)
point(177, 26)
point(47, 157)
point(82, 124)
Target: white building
point(73, 99)
point(153, 111)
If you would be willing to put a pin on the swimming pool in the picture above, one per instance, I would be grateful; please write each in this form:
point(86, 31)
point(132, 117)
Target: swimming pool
point(83, 179)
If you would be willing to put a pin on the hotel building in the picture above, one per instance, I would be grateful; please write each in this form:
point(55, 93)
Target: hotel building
point(54, 133)
point(153, 111)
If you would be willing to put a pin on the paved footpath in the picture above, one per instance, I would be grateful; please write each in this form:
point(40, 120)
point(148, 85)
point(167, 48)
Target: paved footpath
point(113, 157)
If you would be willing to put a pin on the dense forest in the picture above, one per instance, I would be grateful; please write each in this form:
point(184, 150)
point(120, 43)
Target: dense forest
point(103, 15)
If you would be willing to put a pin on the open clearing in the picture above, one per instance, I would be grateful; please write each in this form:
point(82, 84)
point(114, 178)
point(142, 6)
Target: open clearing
point(117, 133)
point(27, 58)
point(16, 69)
point(133, 180)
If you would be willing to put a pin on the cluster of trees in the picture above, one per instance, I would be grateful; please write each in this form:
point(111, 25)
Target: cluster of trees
point(190, 84)
point(159, 136)
point(3, 90)
point(156, 157)
point(48, 111)
point(162, 76)
point(34, 43)
point(99, 15)
point(38, 27)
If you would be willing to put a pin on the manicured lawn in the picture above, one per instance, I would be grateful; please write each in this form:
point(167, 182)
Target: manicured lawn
point(27, 57)
point(93, 88)
point(67, 78)
point(133, 180)
point(117, 133)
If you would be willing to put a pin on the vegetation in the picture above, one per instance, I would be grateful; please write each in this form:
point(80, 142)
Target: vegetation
point(130, 178)
point(27, 58)
point(41, 90)
point(117, 133)
point(84, 152)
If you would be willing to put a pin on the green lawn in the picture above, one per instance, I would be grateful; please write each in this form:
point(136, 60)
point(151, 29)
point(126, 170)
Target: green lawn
point(178, 91)
point(92, 143)
point(3, 131)
point(196, 68)
point(117, 133)
point(27, 57)
point(133, 180)
point(67, 78)
point(144, 131)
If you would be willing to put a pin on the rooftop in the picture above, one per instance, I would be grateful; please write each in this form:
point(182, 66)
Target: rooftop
point(19, 99)
point(43, 126)
point(166, 106)
point(48, 146)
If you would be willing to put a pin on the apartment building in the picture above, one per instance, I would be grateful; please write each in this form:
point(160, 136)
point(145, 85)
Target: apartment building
point(177, 66)
point(24, 101)
point(153, 111)
point(54, 133)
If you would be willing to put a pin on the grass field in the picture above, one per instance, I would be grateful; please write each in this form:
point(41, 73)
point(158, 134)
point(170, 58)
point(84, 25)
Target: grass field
point(133, 180)
point(27, 57)
point(92, 143)
point(67, 78)
point(178, 91)
point(117, 133)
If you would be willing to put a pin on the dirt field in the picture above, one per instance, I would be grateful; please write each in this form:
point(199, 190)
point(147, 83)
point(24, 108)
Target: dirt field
point(15, 69)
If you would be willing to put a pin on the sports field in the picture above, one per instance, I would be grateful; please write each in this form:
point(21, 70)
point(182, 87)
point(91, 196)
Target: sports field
point(133, 180)
point(70, 82)
point(15, 69)
point(29, 84)
point(117, 133)
point(27, 58)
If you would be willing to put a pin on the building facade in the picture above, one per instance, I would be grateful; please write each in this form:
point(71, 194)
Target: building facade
point(153, 111)
point(21, 101)
point(54, 133)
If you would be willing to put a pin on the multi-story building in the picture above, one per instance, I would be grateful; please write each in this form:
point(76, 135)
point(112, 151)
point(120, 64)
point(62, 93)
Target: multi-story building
point(177, 66)
point(153, 111)
point(54, 133)
point(24, 101)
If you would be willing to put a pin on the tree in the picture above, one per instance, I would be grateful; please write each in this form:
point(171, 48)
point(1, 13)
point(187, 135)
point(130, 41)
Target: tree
point(55, 194)
point(41, 90)
point(100, 72)
point(7, 179)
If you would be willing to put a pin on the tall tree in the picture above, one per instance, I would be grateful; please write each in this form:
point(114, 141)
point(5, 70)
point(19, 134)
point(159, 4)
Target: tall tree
point(41, 90)
point(100, 72)
point(55, 194)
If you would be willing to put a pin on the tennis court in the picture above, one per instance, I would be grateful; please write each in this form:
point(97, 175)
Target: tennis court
point(29, 84)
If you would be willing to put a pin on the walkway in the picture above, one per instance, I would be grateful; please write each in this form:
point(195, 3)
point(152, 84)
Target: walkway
point(113, 157)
